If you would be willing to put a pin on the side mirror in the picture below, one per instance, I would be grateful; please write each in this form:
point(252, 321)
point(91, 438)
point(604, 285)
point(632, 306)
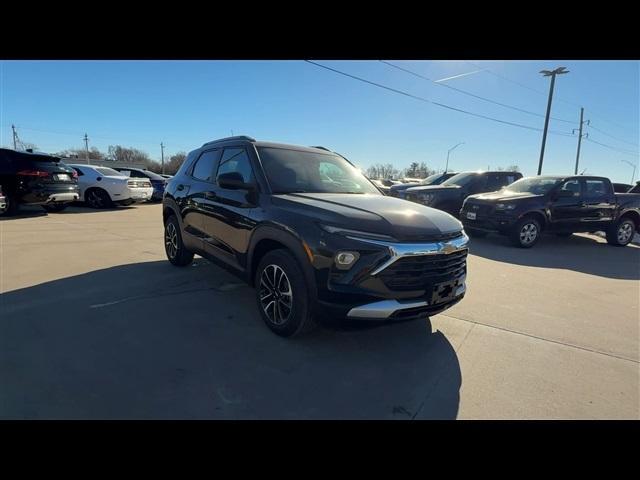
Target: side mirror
point(234, 181)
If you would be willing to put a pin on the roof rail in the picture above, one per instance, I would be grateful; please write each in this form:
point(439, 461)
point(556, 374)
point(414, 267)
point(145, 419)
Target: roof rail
point(226, 139)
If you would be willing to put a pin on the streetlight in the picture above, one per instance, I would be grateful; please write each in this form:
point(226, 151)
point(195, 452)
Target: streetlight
point(446, 169)
point(634, 169)
point(552, 74)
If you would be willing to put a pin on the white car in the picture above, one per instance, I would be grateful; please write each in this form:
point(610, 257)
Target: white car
point(101, 187)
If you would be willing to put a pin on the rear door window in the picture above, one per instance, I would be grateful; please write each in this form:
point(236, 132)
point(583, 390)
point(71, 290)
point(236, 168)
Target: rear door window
point(595, 188)
point(572, 186)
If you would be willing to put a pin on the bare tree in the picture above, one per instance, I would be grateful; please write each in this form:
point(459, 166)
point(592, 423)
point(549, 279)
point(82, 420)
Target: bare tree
point(380, 171)
point(174, 163)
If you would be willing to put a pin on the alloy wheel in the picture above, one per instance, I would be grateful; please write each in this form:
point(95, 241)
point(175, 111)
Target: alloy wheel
point(95, 199)
point(528, 233)
point(171, 240)
point(625, 232)
point(276, 297)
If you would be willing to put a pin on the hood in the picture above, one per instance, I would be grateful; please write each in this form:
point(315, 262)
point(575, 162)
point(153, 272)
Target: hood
point(502, 195)
point(380, 214)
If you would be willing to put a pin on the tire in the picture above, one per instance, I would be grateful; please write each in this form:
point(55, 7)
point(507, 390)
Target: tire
point(11, 208)
point(622, 232)
point(472, 232)
point(526, 233)
point(176, 252)
point(290, 312)
point(55, 207)
point(97, 198)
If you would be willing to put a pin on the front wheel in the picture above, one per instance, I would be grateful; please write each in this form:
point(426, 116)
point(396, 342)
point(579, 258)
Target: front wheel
point(526, 233)
point(282, 295)
point(621, 233)
point(10, 206)
point(173, 245)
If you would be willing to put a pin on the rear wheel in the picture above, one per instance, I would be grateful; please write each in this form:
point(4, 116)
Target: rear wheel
point(622, 232)
point(55, 207)
point(526, 233)
point(282, 295)
point(97, 198)
point(173, 246)
point(11, 206)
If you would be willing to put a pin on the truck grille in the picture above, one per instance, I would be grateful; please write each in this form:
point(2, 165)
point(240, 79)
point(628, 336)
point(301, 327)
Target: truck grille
point(478, 208)
point(424, 271)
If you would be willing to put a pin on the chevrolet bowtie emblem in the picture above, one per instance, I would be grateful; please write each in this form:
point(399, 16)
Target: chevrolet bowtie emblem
point(448, 248)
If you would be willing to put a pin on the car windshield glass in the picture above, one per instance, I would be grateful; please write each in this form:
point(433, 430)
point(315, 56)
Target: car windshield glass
point(109, 172)
point(461, 179)
point(290, 171)
point(431, 180)
point(535, 185)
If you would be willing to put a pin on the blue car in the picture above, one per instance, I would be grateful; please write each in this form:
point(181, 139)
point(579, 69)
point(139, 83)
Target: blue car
point(157, 181)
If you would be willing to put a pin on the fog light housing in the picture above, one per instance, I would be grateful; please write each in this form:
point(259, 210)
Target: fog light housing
point(345, 260)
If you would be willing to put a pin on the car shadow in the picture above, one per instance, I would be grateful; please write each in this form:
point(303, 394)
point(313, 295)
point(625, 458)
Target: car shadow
point(581, 253)
point(26, 212)
point(149, 340)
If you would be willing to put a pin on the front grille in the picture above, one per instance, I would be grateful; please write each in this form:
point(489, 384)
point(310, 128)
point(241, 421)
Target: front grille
point(439, 237)
point(478, 208)
point(424, 271)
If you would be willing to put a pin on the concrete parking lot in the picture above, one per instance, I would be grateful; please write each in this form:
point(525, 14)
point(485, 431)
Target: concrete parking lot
point(95, 323)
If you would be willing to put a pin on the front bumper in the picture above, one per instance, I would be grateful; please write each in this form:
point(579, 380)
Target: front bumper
point(377, 290)
point(497, 222)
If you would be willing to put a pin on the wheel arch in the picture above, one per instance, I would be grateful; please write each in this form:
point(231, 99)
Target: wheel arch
point(633, 215)
point(541, 217)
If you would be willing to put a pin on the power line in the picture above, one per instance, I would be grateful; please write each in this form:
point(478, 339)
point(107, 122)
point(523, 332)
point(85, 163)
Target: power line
point(472, 94)
point(609, 135)
point(543, 93)
point(627, 152)
point(426, 100)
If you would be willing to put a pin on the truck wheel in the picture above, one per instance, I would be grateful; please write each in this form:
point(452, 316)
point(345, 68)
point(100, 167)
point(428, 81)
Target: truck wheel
point(55, 207)
point(622, 232)
point(173, 246)
point(526, 233)
point(97, 198)
point(472, 232)
point(11, 207)
point(282, 295)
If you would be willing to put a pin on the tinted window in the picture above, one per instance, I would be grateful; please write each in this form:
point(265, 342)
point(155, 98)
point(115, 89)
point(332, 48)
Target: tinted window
point(495, 182)
point(595, 188)
point(236, 160)
point(108, 171)
point(461, 179)
point(302, 171)
point(205, 165)
point(572, 186)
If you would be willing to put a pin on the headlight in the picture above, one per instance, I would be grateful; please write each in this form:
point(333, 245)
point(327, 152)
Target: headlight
point(505, 206)
point(425, 198)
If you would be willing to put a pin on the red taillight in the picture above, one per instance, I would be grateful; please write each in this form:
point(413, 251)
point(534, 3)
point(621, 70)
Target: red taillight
point(33, 173)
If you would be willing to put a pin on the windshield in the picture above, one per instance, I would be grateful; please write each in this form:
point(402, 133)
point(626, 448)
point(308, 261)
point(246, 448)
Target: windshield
point(535, 185)
point(461, 179)
point(108, 172)
point(434, 179)
point(290, 171)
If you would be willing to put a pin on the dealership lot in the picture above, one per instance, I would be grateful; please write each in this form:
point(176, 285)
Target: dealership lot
point(95, 323)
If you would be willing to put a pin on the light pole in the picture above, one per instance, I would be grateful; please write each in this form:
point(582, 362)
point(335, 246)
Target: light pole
point(446, 168)
point(634, 169)
point(552, 74)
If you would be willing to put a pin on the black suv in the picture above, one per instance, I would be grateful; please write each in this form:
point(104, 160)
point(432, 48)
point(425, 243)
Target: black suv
point(450, 194)
point(312, 234)
point(35, 179)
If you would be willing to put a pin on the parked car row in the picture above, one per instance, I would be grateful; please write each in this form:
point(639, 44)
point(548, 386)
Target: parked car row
point(39, 179)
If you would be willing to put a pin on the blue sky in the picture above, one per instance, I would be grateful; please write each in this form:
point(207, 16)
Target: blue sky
point(185, 103)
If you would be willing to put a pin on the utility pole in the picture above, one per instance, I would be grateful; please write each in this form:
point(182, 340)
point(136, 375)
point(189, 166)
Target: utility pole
point(162, 154)
point(552, 74)
point(15, 136)
point(86, 148)
point(633, 175)
point(575, 172)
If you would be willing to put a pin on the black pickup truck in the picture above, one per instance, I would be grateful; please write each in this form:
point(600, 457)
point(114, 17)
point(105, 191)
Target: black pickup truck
point(449, 195)
point(561, 205)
